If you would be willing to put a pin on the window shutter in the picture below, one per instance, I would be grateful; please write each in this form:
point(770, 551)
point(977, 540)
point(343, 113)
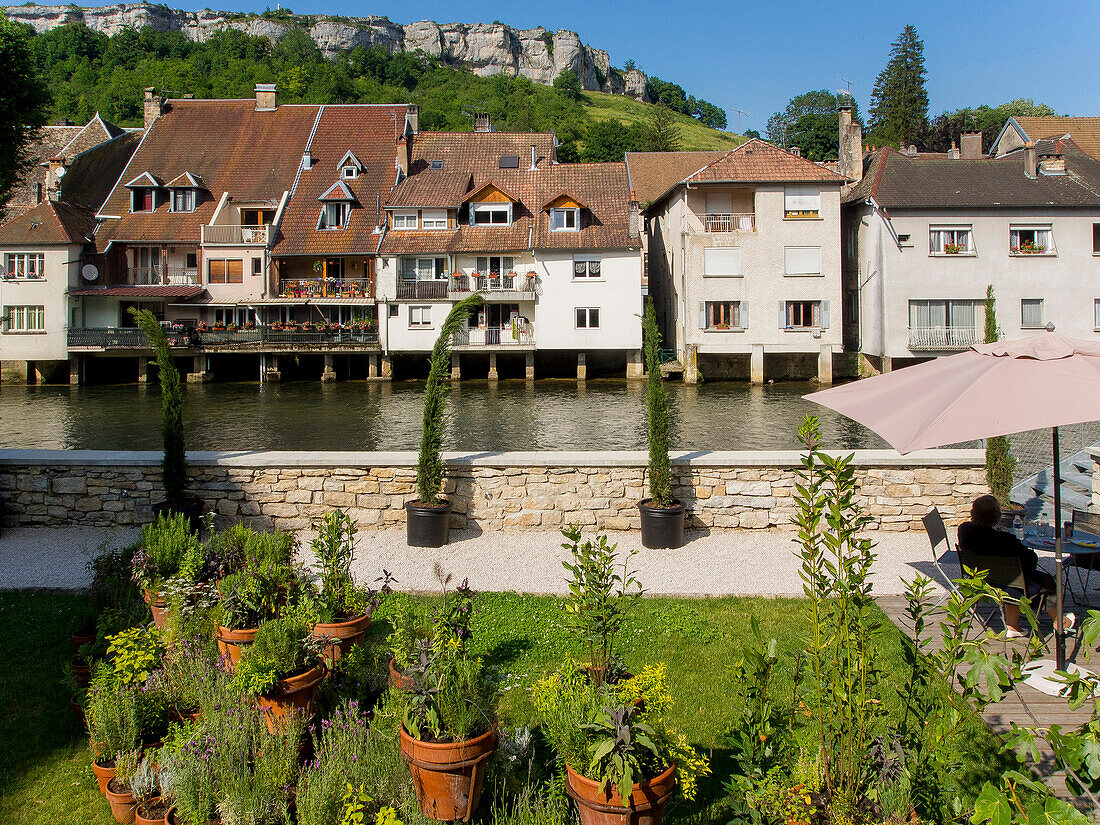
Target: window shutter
point(702, 315)
point(217, 272)
point(824, 314)
point(744, 314)
point(782, 315)
point(234, 272)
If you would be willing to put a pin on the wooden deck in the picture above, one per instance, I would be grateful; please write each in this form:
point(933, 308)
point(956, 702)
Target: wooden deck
point(1024, 705)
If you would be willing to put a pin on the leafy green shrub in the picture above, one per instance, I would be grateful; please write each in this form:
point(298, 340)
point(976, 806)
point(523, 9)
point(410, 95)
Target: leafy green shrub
point(168, 548)
point(257, 593)
point(134, 654)
point(283, 647)
point(114, 715)
point(411, 627)
point(339, 598)
point(451, 699)
point(239, 546)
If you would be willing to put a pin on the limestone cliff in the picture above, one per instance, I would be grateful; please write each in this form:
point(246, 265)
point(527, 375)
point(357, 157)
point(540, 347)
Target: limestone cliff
point(485, 49)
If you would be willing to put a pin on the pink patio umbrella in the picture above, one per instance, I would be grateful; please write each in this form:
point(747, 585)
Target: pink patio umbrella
point(1046, 380)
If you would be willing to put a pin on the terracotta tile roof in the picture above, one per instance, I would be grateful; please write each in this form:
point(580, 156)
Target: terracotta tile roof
point(431, 188)
point(368, 132)
point(654, 173)
point(169, 291)
point(51, 222)
point(187, 181)
point(895, 180)
point(1085, 131)
point(92, 174)
point(49, 143)
point(95, 131)
point(251, 155)
point(479, 153)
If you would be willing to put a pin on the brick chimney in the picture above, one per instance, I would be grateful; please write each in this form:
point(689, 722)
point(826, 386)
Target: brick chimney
point(404, 154)
point(482, 122)
point(55, 170)
point(851, 143)
point(154, 106)
point(970, 146)
point(635, 226)
point(1053, 162)
point(266, 98)
point(1030, 162)
point(412, 118)
point(953, 152)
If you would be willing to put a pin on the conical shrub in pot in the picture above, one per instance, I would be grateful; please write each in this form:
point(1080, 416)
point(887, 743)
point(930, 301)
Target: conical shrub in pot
point(662, 515)
point(428, 518)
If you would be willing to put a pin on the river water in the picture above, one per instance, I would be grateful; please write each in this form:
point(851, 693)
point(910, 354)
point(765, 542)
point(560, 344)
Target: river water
point(507, 415)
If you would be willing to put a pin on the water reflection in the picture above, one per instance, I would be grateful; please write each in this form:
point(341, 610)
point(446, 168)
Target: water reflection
point(483, 415)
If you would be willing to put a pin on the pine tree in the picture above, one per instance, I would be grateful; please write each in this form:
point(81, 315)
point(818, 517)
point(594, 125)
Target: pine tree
point(899, 102)
point(1000, 464)
point(663, 134)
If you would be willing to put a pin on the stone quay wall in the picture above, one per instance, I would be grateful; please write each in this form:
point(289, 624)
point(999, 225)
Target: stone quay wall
point(490, 491)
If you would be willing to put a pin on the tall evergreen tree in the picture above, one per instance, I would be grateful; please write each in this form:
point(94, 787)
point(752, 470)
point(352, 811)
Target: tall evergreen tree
point(23, 105)
point(1000, 464)
point(899, 102)
point(663, 135)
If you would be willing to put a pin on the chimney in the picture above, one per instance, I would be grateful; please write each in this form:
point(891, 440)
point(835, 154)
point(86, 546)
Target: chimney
point(1054, 161)
point(534, 159)
point(404, 155)
point(265, 97)
point(55, 170)
point(634, 229)
point(912, 150)
point(412, 118)
point(794, 150)
point(307, 160)
point(851, 143)
point(953, 152)
point(970, 146)
point(1029, 159)
point(482, 122)
point(154, 106)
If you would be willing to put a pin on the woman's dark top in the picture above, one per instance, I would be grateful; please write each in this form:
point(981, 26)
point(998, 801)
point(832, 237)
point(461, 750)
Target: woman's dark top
point(986, 541)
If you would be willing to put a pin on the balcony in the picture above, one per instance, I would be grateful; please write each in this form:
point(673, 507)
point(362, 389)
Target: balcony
point(422, 290)
point(942, 338)
point(308, 288)
point(121, 338)
point(507, 287)
point(517, 335)
point(161, 276)
point(733, 222)
point(131, 338)
point(235, 235)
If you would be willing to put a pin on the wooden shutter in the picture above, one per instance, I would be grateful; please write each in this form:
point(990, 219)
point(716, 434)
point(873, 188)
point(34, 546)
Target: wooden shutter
point(217, 272)
point(234, 272)
point(744, 314)
point(824, 314)
point(782, 315)
point(702, 315)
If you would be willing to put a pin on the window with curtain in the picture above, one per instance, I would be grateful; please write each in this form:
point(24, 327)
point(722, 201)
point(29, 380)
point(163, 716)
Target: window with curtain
point(404, 220)
point(1027, 240)
point(950, 241)
point(802, 260)
point(183, 200)
point(722, 315)
point(495, 264)
point(586, 268)
point(28, 265)
point(801, 202)
point(420, 316)
point(935, 314)
point(1031, 313)
point(25, 318)
point(722, 262)
point(803, 314)
point(334, 215)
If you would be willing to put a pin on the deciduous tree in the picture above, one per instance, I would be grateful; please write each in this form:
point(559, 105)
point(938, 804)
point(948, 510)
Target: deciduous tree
point(811, 123)
point(23, 105)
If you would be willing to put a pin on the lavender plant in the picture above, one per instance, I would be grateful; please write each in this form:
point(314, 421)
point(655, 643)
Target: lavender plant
point(342, 750)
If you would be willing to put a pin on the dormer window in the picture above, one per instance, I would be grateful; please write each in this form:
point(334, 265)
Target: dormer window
point(565, 220)
point(349, 172)
point(490, 214)
point(183, 200)
point(143, 199)
point(404, 220)
point(334, 215)
point(350, 167)
point(437, 164)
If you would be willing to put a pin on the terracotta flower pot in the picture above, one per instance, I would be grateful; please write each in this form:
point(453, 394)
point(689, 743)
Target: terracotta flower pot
point(103, 774)
point(399, 680)
point(158, 606)
point(342, 636)
point(121, 799)
point(290, 695)
point(448, 776)
point(84, 636)
point(231, 643)
point(78, 712)
point(82, 671)
point(151, 812)
point(644, 806)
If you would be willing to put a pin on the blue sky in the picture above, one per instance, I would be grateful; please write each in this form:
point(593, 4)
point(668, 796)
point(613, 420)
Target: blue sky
point(755, 56)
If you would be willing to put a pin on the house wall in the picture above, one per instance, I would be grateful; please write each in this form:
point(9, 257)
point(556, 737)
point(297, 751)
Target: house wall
point(1068, 282)
point(62, 268)
point(251, 286)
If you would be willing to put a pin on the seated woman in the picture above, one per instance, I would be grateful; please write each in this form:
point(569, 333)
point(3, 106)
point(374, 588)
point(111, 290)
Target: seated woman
point(981, 537)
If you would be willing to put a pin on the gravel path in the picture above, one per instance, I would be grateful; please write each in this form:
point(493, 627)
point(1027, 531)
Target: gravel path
point(756, 562)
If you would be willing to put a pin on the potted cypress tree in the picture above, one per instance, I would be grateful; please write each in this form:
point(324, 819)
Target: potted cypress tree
point(429, 517)
point(662, 514)
point(174, 464)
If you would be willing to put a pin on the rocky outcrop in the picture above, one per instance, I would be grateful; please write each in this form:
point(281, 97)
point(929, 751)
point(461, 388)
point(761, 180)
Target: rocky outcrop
point(486, 49)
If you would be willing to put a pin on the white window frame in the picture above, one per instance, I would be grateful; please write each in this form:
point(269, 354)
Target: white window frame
point(490, 208)
point(344, 170)
point(329, 220)
point(420, 316)
point(1015, 242)
point(587, 268)
point(1096, 314)
point(801, 270)
point(565, 214)
point(1032, 302)
point(939, 237)
point(590, 313)
point(801, 202)
point(712, 266)
point(501, 268)
point(183, 200)
point(25, 319)
point(433, 219)
point(405, 220)
point(17, 265)
point(736, 322)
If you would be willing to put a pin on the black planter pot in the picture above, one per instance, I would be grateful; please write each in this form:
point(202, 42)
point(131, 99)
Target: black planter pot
point(191, 508)
point(662, 527)
point(427, 525)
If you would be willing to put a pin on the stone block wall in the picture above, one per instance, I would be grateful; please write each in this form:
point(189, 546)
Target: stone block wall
point(507, 491)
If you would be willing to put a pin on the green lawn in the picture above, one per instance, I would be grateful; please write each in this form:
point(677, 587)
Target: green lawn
point(693, 134)
point(44, 768)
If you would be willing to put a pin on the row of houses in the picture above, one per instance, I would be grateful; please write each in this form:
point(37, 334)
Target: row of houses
point(332, 241)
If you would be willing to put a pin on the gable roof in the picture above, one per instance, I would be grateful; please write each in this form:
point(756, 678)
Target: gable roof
point(430, 188)
point(145, 180)
point(349, 156)
point(95, 131)
point(49, 223)
point(492, 184)
point(898, 181)
point(337, 192)
point(562, 194)
point(185, 181)
point(1085, 131)
point(654, 173)
point(91, 175)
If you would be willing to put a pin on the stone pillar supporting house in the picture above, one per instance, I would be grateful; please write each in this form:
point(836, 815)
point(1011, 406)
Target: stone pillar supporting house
point(530, 369)
point(756, 364)
point(200, 372)
point(825, 364)
point(142, 369)
point(582, 368)
point(328, 375)
point(372, 367)
point(74, 370)
point(635, 364)
point(456, 366)
point(387, 368)
point(493, 374)
point(691, 364)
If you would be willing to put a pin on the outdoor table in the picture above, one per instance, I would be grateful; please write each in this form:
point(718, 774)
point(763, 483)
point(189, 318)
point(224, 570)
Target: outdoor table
point(1082, 546)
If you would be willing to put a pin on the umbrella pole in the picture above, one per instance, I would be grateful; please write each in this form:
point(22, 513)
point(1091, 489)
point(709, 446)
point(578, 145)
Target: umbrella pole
point(1059, 635)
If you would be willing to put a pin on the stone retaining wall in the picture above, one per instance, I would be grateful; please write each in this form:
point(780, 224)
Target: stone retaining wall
point(510, 491)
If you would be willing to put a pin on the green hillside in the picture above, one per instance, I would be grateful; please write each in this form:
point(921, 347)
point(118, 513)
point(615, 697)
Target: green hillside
point(693, 134)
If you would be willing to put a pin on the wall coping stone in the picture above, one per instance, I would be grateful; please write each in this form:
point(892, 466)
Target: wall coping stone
point(541, 458)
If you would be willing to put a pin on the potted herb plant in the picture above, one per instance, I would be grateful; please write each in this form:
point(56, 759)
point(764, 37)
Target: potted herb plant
point(168, 546)
point(447, 733)
point(151, 807)
point(120, 796)
point(662, 514)
point(114, 724)
point(429, 517)
point(283, 666)
point(413, 630)
point(171, 393)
